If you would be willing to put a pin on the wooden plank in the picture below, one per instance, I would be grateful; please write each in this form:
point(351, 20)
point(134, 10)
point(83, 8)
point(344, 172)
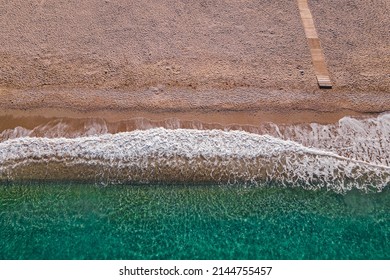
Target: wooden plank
point(316, 52)
point(314, 43)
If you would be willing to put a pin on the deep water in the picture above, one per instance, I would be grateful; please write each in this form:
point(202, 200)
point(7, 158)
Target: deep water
point(87, 221)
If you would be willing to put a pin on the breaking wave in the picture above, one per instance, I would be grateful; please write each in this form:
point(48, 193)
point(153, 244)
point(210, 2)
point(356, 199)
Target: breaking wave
point(366, 139)
point(188, 155)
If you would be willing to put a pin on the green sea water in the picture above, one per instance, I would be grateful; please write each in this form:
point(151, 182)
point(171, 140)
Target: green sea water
point(87, 221)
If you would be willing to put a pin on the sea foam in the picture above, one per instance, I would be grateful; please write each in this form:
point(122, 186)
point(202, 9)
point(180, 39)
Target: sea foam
point(365, 139)
point(187, 155)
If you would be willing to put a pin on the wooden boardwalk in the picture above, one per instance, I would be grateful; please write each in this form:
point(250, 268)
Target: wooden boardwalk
point(317, 54)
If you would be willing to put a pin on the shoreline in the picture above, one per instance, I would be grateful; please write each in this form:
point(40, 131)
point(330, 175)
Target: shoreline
point(241, 106)
point(30, 119)
point(41, 121)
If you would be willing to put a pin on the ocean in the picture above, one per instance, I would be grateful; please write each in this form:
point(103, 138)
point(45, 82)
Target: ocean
point(274, 192)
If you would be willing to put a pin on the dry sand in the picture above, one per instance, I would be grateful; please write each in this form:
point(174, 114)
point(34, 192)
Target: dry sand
point(125, 59)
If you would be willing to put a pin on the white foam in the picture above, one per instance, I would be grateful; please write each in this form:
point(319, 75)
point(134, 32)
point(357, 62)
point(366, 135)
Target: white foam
point(361, 139)
point(187, 155)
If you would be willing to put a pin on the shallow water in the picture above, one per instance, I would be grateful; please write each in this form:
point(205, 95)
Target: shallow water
point(308, 191)
point(88, 221)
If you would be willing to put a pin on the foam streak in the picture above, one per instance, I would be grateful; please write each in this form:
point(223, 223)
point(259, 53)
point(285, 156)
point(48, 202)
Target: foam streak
point(186, 155)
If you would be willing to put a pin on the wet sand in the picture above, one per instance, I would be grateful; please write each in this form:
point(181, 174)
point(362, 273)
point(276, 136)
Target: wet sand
point(45, 123)
point(226, 62)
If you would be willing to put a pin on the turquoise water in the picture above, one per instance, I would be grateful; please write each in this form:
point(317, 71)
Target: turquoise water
point(87, 221)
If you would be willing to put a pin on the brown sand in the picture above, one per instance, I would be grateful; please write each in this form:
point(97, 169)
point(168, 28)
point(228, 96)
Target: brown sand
point(207, 59)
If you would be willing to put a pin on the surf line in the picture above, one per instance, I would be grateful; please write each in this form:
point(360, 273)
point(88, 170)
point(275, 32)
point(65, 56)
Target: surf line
point(317, 54)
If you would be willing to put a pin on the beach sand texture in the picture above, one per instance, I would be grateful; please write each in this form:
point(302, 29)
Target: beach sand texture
point(182, 55)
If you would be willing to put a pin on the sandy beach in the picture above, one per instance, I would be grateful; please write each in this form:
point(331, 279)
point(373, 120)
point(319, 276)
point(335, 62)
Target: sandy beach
point(245, 62)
